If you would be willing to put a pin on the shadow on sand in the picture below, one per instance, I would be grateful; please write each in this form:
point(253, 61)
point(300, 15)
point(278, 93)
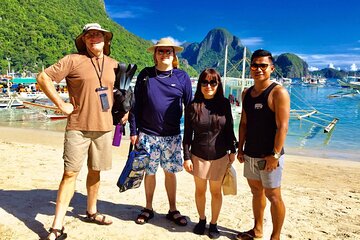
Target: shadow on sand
point(21, 204)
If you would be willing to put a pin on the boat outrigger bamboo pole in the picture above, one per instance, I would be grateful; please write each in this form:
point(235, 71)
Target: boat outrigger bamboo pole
point(243, 71)
point(225, 64)
point(331, 125)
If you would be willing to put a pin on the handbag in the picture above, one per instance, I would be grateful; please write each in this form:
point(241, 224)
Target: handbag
point(134, 170)
point(229, 183)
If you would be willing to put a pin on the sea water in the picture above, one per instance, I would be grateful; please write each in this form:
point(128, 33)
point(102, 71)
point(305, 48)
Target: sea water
point(305, 137)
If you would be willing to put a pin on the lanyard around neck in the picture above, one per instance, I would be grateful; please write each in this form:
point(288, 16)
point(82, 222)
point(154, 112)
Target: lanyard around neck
point(100, 70)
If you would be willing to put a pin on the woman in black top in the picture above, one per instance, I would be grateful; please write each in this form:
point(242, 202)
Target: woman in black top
point(209, 145)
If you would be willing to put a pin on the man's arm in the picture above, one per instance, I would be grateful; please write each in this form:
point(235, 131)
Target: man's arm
point(242, 130)
point(47, 86)
point(281, 107)
point(281, 102)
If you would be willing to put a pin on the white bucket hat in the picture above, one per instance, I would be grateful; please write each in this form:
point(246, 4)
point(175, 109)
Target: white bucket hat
point(80, 44)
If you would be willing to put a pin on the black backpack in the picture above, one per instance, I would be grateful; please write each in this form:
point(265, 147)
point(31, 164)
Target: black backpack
point(123, 93)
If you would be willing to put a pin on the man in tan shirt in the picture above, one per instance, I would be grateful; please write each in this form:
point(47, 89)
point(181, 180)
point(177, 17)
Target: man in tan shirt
point(90, 76)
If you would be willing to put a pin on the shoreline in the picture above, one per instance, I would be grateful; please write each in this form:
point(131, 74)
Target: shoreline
point(337, 154)
point(321, 195)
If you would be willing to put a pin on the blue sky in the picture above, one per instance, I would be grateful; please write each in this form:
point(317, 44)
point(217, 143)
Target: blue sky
point(322, 32)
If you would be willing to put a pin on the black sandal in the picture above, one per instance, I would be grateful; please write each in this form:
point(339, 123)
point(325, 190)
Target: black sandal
point(59, 234)
point(181, 221)
point(144, 216)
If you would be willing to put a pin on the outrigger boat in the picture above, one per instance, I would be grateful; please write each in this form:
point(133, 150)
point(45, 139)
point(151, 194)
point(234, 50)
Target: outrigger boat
point(51, 112)
point(297, 112)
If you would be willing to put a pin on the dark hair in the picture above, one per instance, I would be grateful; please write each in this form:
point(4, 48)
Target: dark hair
point(198, 102)
point(209, 74)
point(262, 53)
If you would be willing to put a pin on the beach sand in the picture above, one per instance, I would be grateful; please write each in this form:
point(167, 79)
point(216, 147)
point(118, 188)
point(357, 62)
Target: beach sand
point(322, 197)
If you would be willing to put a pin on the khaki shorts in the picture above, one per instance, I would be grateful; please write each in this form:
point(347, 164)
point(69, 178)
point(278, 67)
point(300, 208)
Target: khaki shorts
point(93, 145)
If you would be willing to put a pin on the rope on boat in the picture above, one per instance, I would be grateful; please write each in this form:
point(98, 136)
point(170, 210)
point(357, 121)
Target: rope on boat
point(303, 115)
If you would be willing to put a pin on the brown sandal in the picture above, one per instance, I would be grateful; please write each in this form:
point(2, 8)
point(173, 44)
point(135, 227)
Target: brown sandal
point(91, 218)
point(59, 234)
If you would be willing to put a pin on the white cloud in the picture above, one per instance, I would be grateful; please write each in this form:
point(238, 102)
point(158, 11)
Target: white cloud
point(180, 28)
point(123, 11)
point(252, 41)
point(331, 65)
point(354, 49)
point(124, 14)
point(323, 60)
point(353, 67)
point(312, 68)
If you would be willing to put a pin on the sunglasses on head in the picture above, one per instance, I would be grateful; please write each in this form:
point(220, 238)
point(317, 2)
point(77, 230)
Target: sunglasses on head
point(262, 66)
point(163, 51)
point(205, 83)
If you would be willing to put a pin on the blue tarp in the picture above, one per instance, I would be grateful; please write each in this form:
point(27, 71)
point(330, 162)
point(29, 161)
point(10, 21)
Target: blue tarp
point(24, 80)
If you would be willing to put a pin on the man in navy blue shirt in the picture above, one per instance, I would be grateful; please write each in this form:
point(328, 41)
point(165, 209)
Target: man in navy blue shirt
point(160, 93)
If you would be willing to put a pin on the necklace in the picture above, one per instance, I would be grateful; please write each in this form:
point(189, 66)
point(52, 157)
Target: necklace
point(165, 76)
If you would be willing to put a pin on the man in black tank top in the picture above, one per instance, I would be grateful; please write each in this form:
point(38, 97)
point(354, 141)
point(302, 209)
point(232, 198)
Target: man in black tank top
point(262, 132)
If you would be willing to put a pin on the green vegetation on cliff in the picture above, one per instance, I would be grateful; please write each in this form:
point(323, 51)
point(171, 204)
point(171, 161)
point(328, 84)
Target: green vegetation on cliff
point(291, 66)
point(36, 33)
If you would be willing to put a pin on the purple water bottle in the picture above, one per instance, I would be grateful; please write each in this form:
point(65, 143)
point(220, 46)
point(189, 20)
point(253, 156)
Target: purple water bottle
point(117, 135)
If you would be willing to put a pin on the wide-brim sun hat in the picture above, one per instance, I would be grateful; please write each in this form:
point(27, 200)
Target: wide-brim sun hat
point(80, 44)
point(165, 42)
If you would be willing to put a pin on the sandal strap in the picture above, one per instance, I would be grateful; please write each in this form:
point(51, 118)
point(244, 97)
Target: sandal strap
point(94, 215)
point(56, 232)
point(145, 210)
point(174, 212)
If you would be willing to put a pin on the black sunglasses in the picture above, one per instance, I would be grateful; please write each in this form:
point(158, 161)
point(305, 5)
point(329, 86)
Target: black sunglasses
point(162, 52)
point(262, 66)
point(205, 83)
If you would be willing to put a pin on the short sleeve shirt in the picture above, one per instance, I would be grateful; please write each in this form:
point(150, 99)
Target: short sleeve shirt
point(81, 73)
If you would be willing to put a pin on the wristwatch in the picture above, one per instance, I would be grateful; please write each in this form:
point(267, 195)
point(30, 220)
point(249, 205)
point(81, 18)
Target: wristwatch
point(276, 155)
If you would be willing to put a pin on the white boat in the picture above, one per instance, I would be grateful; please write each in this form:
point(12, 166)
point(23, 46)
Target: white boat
point(355, 85)
point(285, 81)
point(350, 81)
point(313, 81)
point(31, 96)
point(10, 102)
point(54, 114)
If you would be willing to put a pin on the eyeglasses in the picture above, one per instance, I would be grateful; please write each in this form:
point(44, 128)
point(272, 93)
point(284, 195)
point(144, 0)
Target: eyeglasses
point(163, 52)
point(205, 83)
point(94, 34)
point(262, 66)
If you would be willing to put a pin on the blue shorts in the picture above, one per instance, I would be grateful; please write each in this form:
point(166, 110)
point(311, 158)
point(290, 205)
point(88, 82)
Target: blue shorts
point(166, 151)
point(268, 179)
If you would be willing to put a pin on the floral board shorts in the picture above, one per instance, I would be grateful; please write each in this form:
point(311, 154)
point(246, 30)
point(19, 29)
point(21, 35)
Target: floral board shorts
point(166, 151)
